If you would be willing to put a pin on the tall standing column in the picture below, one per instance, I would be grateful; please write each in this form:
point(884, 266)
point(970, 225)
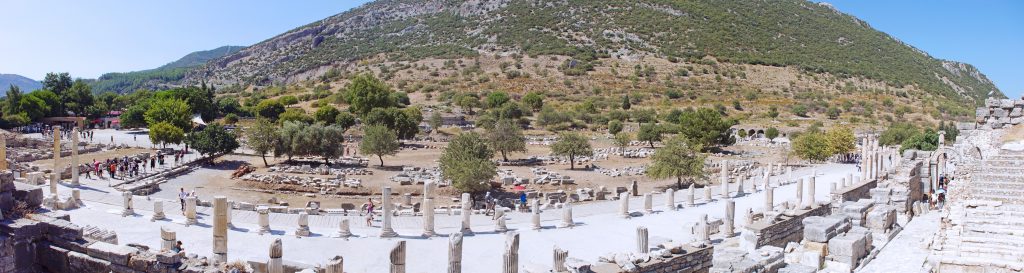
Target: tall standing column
point(335, 265)
point(800, 192)
point(55, 176)
point(932, 177)
point(567, 221)
point(168, 239)
point(724, 172)
point(275, 264)
point(558, 264)
point(74, 157)
point(624, 205)
point(510, 259)
point(455, 253)
point(729, 223)
point(810, 193)
point(535, 214)
point(428, 217)
point(725, 187)
point(670, 199)
point(769, 199)
point(642, 240)
point(3, 153)
point(398, 257)
point(190, 210)
point(385, 230)
point(467, 211)
point(220, 229)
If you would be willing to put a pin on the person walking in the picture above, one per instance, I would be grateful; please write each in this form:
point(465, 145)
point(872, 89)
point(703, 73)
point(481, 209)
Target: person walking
point(369, 212)
point(181, 196)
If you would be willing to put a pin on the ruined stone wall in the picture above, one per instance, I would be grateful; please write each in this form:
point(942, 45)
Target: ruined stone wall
point(790, 229)
point(694, 260)
point(1000, 112)
point(858, 191)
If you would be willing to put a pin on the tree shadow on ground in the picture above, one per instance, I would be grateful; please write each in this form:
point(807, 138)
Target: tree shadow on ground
point(225, 165)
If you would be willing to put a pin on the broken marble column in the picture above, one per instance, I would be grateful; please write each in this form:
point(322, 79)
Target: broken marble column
point(264, 219)
point(725, 188)
point(76, 196)
point(230, 208)
point(703, 232)
point(335, 265)
point(729, 223)
point(849, 180)
point(428, 217)
point(275, 264)
point(455, 253)
point(220, 229)
point(499, 223)
point(624, 205)
point(558, 264)
point(126, 204)
point(510, 259)
point(535, 214)
point(670, 199)
point(397, 257)
point(385, 229)
point(769, 199)
point(168, 239)
point(800, 191)
point(810, 193)
point(3, 153)
point(689, 196)
point(74, 157)
point(467, 211)
point(343, 229)
point(648, 203)
point(707, 194)
point(303, 230)
point(641, 240)
point(190, 210)
point(748, 217)
point(789, 174)
point(567, 221)
point(739, 186)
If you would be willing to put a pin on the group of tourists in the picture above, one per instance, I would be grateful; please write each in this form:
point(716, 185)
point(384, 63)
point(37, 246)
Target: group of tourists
point(129, 167)
point(936, 197)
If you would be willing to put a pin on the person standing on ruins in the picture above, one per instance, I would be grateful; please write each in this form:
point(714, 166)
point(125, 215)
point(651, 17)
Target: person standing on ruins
point(369, 212)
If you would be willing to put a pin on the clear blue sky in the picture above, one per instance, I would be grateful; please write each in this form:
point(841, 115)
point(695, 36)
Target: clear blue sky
point(89, 38)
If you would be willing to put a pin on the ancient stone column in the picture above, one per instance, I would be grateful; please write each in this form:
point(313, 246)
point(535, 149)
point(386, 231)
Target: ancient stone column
point(343, 229)
point(499, 223)
point(800, 191)
point(168, 239)
point(158, 211)
point(748, 217)
point(74, 157)
point(789, 174)
point(220, 229)
point(264, 219)
point(769, 199)
point(558, 265)
point(725, 187)
point(689, 196)
point(76, 196)
point(467, 211)
point(455, 253)
point(707, 194)
point(3, 153)
point(648, 203)
point(624, 205)
point(510, 259)
point(55, 176)
point(275, 264)
point(335, 265)
point(567, 221)
point(397, 257)
point(849, 180)
point(535, 214)
point(428, 217)
point(303, 230)
point(703, 232)
point(190, 210)
point(126, 204)
point(230, 208)
point(729, 223)
point(670, 199)
point(723, 172)
point(385, 229)
point(641, 240)
point(739, 186)
point(428, 189)
point(810, 193)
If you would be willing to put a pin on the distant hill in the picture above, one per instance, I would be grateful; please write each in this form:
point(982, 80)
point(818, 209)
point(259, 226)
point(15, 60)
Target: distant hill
point(162, 77)
point(26, 84)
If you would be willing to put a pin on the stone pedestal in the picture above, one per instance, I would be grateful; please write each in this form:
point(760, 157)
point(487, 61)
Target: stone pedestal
point(264, 219)
point(168, 239)
point(670, 200)
point(428, 217)
point(190, 211)
point(558, 264)
point(397, 257)
point(126, 204)
point(467, 212)
point(567, 221)
point(220, 229)
point(455, 253)
point(641, 240)
point(335, 265)
point(385, 229)
point(303, 229)
point(275, 264)
point(343, 229)
point(76, 196)
point(510, 259)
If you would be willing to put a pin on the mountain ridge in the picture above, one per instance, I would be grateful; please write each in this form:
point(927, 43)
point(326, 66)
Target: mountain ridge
point(167, 75)
point(26, 84)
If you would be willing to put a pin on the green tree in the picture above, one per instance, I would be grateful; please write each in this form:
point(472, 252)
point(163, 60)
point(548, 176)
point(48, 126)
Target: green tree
point(897, 133)
point(649, 133)
point(571, 145)
point(497, 99)
point(436, 121)
point(622, 140)
point(841, 140)
point(679, 158)
point(230, 118)
point(162, 133)
point(927, 140)
point(812, 146)
point(773, 112)
point(288, 100)
point(771, 133)
point(173, 111)
point(534, 100)
point(380, 141)
point(212, 140)
point(833, 112)
point(295, 114)
point(614, 127)
point(13, 100)
point(466, 161)
point(270, 109)
point(33, 106)
point(506, 137)
point(705, 126)
point(77, 98)
point(625, 102)
point(405, 122)
point(366, 93)
point(261, 137)
point(799, 110)
point(57, 82)
point(326, 114)
point(321, 140)
point(134, 117)
point(345, 120)
point(288, 143)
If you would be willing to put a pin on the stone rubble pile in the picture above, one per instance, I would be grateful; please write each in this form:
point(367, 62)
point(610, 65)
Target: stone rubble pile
point(417, 175)
point(998, 113)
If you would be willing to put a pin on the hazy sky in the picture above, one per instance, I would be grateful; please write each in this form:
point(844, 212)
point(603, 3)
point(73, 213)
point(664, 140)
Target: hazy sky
point(89, 38)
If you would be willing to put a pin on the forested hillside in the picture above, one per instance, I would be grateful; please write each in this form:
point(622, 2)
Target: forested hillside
point(161, 77)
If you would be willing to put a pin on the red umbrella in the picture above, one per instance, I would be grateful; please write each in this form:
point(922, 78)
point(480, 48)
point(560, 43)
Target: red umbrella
point(520, 188)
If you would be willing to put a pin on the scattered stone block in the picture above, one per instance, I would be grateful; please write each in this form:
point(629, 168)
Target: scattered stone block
point(116, 254)
point(821, 229)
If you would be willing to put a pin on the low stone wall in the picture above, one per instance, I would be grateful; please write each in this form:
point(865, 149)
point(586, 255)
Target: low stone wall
point(789, 229)
point(694, 260)
point(858, 191)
